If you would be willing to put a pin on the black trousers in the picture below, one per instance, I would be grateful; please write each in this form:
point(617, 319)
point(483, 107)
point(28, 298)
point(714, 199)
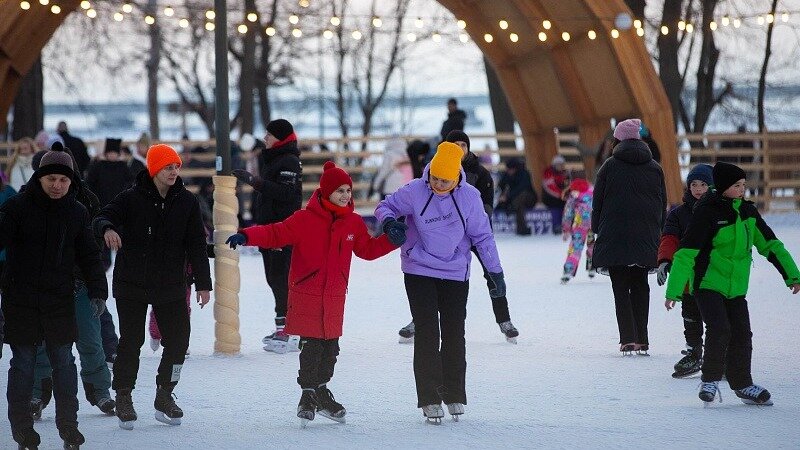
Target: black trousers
point(276, 269)
point(729, 341)
point(438, 305)
point(500, 304)
point(692, 323)
point(317, 360)
point(632, 300)
point(173, 321)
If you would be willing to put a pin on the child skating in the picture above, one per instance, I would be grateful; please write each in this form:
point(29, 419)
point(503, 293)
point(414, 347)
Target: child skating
point(715, 256)
point(324, 237)
point(576, 225)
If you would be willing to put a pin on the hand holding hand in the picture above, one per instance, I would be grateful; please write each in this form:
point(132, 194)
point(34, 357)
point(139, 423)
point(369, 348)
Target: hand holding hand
point(499, 289)
point(236, 239)
point(202, 298)
point(98, 306)
point(113, 241)
point(669, 304)
point(395, 231)
point(663, 270)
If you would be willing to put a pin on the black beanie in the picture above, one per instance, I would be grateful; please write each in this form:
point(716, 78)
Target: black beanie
point(55, 162)
point(280, 128)
point(726, 175)
point(457, 136)
point(113, 145)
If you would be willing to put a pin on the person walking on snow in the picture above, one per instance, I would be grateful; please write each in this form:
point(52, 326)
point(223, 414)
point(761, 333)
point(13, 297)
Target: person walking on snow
point(156, 229)
point(324, 236)
point(714, 258)
point(576, 225)
point(46, 233)
point(697, 184)
point(278, 193)
point(445, 219)
point(477, 176)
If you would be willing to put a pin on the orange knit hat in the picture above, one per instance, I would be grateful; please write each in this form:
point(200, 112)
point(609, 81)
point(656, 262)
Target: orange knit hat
point(160, 156)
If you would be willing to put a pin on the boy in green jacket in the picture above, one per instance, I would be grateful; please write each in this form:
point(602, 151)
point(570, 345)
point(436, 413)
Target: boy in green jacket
point(715, 257)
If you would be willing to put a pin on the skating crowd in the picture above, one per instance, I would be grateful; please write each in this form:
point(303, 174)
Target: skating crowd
point(57, 236)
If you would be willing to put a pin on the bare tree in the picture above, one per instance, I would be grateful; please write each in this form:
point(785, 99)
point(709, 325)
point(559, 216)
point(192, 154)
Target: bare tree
point(762, 79)
point(153, 66)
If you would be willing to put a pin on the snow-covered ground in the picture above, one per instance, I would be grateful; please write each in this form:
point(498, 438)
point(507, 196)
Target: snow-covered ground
point(564, 385)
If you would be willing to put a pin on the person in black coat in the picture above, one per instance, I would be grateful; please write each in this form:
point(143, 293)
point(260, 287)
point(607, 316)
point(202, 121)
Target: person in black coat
point(280, 193)
point(516, 193)
point(456, 118)
point(76, 145)
point(628, 212)
point(46, 234)
point(110, 176)
point(156, 229)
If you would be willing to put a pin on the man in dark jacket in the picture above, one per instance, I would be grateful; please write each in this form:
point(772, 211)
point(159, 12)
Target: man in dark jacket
point(280, 193)
point(46, 233)
point(456, 119)
point(76, 145)
point(516, 193)
point(109, 176)
point(628, 212)
point(156, 229)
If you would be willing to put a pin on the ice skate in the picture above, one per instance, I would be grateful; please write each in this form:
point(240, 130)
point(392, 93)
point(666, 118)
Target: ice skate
point(166, 410)
point(26, 439)
point(306, 407)
point(641, 349)
point(106, 405)
point(37, 406)
point(433, 414)
point(328, 407)
point(455, 410)
point(689, 365)
point(155, 344)
point(708, 391)
point(754, 395)
point(509, 331)
point(406, 334)
point(627, 349)
point(282, 343)
point(72, 437)
point(565, 278)
point(125, 412)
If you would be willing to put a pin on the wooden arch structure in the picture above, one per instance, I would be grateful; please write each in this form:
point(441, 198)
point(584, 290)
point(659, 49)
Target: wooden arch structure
point(579, 83)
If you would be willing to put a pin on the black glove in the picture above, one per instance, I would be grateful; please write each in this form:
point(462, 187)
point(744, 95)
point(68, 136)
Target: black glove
point(663, 270)
point(98, 306)
point(236, 239)
point(248, 178)
point(395, 231)
point(499, 289)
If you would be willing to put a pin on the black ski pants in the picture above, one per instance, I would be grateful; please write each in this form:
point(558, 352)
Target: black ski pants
point(173, 321)
point(276, 269)
point(500, 304)
point(317, 360)
point(632, 300)
point(692, 323)
point(439, 310)
point(729, 341)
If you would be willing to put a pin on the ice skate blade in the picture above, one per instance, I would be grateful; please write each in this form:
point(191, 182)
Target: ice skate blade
point(71, 446)
point(433, 420)
point(326, 414)
point(283, 347)
point(680, 376)
point(511, 340)
point(127, 424)
point(642, 353)
point(456, 417)
point(161, 417)
point(753, 403)
point(303, 423)
point(404, 340)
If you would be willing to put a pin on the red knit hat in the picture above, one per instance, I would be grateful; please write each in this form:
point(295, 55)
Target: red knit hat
point(160, 156)
point(332, 177)
point(579, 184)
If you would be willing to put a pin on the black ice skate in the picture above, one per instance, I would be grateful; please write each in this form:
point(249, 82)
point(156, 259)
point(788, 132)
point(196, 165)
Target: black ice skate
point(509, 331)
point(107, 405)
point(37, 406)
point(72, 437)
point(754, 395)
point(627, 349)
point(26, 439)
point(125, 412)
point(327, 406)
point(306, 407)
point(641, 349)
point(433, 414)
point(708, 391)
point(455, 410)
point(689, 365)
point(407, 334)
point(565, 278)
point(166, 410)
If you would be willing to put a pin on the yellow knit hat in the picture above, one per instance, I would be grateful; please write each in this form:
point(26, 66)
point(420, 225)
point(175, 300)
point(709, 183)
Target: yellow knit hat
point(446, 163)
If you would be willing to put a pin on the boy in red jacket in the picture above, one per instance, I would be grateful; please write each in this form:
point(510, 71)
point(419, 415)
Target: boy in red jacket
point(324, 237)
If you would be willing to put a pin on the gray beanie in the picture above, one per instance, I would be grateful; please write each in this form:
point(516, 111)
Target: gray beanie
point(55, 162)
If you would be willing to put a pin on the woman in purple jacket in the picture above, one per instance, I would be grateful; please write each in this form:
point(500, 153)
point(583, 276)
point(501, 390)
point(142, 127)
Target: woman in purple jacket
point(444, 218)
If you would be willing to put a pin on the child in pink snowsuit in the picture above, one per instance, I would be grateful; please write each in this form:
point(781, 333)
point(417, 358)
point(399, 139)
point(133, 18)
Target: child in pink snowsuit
point(577, 225)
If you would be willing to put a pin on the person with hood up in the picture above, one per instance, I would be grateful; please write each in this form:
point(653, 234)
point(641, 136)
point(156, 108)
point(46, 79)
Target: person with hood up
point(324, 236)
point(628, 211)
point(46, 233)
point(277, 194)
point(445, 218)
point(576, 225)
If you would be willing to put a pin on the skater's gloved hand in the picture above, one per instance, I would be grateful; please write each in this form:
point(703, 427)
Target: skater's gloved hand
point(98, 306)
point(669, 304)
point(236, 239)
point(499, 289)
point(663, 270)
point(395, 231)
point(248, 178)
point(795, 288)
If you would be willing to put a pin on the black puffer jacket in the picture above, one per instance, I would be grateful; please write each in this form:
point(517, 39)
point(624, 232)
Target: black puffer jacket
point(282, 192)
point(479, 176)
point(45, 239)
point(108, 178)
point(455, 121)
point(629, 207)
point(159, 237)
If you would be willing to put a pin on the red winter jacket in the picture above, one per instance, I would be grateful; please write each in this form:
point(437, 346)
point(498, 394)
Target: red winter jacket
point(323, 245)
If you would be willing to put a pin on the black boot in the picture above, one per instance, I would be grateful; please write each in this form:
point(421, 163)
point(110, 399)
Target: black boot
point(27, 438)
point(125, 411)
point(36, 408)
point(690, 364)
point(307, 406)
point(166, 409)
point(71, 436)
point(327, 406)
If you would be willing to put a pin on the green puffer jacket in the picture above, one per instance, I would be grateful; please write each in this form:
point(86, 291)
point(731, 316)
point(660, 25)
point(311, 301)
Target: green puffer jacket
point(716, 251)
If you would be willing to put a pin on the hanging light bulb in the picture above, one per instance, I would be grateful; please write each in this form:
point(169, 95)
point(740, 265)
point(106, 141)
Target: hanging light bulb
point(210, 14)
point(411, 37)
point(503, 24)
point(356, 35)
point(681, 25)
point(169, 12)
point(461, 24)
point(85, 4)
point(488, 38)
point(24, 5)
point(44, 2)
point(713, 26)
point(463, 37)
point(546, 24)
point(335, 21)
point(514, 37)
point(127, 8)
point(725, 21)
point(297, 32)
point(565, 36)
point(637, 23)
point(183, 23)
point(149, 20)
point(614, 33)
point(760, 20)
point(640, 32)
point(542, 36)
point(270, 31)
point(592, 34)
point(737, 23)
point(304, 3)
point(689, 28)
point(419, 23)
point(242, 28)
point(664, 30)
point(327, 34)
point(436, 37)
point(785, 17)
point(770, 18)
point(294, 19)
point(377, 22)
point(252, 17)
point(210, 26)
point(118, 16)
point(55, 9)
point(91, 13)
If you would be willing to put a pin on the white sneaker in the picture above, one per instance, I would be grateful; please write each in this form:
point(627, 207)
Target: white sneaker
point(155, 344)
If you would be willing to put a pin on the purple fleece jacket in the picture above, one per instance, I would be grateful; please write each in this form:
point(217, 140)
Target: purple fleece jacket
point(441, 229)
